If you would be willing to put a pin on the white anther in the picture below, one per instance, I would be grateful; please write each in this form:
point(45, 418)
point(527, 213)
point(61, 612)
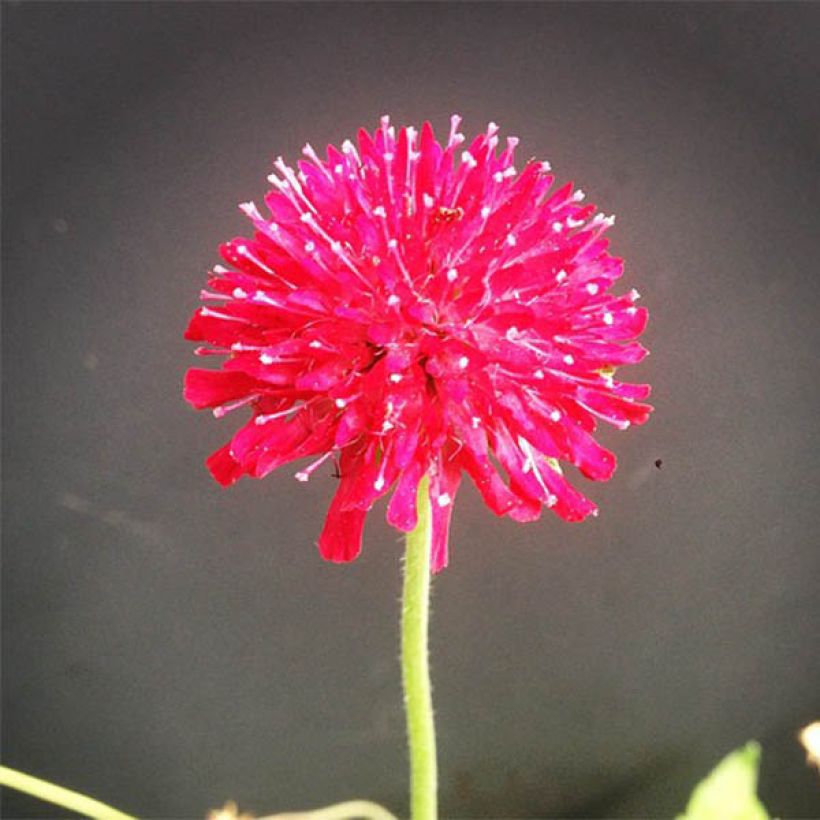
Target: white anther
point(546, 167)
point(388, 157)
point(578, 196)
point(469, 159)
point(238, 293)
point(395, 377)
point(339, 168)
point(592, 288)
point(555, 415)
point(560, 276)
point(568, 359)
point(378, 483)
point(379, 211)
point(444, 499)
point(511, 240)
point(475, 421)
point(428, 201)
point(463, 362)
point(315, 344)
point(307, 216)
point(634, 295)
point(539, 374)
point(485, 211)
point(393, 300)
point(452, 275)
point(608, 318)
point(557, 227)
point(249, 209)
point(340, 403)
point(302, 476)
point(498, 176)
point(392, 243)
point(266, 358)
point(310, 246)
point(509, 172)
point(220, 269)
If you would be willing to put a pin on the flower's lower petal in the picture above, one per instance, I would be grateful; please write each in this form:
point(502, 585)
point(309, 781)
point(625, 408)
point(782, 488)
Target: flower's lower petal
point(341, 538)
point(211, 388)
point(224, 467)
point(443, 488)
point(402, 512)
point(593, 460)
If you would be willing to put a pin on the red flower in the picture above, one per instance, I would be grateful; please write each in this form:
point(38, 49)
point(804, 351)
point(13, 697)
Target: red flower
point(405, 314)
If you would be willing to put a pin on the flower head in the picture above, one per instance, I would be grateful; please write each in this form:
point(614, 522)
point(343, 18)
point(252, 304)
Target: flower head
point(408, 308)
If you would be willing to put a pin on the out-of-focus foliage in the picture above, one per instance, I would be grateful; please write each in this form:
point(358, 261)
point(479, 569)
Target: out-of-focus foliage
point(729, 792)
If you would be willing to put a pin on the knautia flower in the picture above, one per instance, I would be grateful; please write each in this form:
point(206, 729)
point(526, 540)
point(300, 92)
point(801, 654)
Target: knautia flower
point(407, 308)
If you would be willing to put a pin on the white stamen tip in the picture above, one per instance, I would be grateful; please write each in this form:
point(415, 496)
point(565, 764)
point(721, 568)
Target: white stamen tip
point(608, 318)
point(463, 362)
point(452, 275)
point(560, 276)
point(444, 499)
point(498, 176)
point(468, 159)
point(393, 300)
point(238, 293)
point(379, 211)
point(539, 374)
point(392, 244)
point(315, 344)
point(340, 403)
point(557, 227)
point(568, 359)
point(310, 247)
point(395, 377)
point(475, 421)
point(266, 358)
point(555, 415)
point(511, 240)
point(592, 288)
point(578, 196)
point(378, 483)
point(546, 167)
point(428, 201)
point(485, 211)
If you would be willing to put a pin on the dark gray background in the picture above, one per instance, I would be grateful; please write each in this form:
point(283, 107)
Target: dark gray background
point(168, 644)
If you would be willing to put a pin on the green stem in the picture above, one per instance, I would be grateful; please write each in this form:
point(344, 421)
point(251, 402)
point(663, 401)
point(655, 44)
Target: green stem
point(49, 793)
point(418, 700)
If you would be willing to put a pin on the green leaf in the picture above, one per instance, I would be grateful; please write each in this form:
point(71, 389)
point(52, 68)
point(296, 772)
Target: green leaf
point(730, 790)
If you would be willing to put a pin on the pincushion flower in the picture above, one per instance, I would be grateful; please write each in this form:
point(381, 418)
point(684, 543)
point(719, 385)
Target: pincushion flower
point(412, 309)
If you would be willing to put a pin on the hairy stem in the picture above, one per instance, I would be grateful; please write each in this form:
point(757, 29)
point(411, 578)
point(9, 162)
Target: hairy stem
point(421, 732)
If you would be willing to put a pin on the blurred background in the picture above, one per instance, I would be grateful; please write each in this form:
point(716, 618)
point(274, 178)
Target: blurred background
point(168, 644)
